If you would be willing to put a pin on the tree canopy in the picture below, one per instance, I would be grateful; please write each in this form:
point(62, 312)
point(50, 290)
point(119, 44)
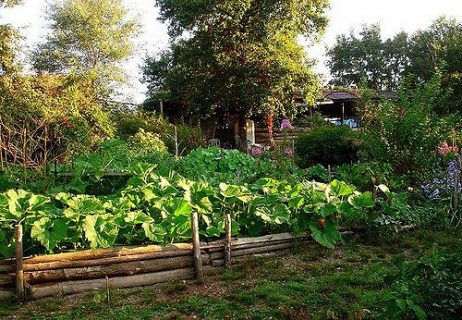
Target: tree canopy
point(236, 56)
point(88, 37)
point(370, 60)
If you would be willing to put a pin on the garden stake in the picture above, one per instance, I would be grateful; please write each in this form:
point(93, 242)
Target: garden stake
point(196, 246)
point(19, 262)
point(228, 241)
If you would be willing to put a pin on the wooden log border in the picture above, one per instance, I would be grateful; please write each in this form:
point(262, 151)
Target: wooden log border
point(124, 267)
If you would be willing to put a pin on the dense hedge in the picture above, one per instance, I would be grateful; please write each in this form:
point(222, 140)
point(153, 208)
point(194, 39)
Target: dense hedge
point(327, 145)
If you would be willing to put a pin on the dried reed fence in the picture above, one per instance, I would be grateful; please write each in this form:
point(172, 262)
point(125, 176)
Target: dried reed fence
point(29, 144)
point(123, 267)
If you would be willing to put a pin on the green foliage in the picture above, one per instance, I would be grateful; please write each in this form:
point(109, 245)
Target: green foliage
point(369, 61)
point(156, 208)
point(366, 175)
point(241, 56)
point(326, 146)
point(368, 58)
point(143, 143)
point(217, 164)
point(88, 38)
point(430, 287)
point(406, 133)
point(188, 137)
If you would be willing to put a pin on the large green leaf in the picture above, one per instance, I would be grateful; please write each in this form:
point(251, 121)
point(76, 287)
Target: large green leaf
point(49, 232)
point(6, 245)
point(100, 230)
point(327, 236)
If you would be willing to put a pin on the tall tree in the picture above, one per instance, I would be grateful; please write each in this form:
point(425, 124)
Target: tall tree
point(238, 56)
point(9, 42)
point(88, 37)
point(437, 51)
point(367, 58)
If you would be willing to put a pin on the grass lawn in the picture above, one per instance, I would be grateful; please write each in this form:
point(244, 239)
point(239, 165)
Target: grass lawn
point(313, 283)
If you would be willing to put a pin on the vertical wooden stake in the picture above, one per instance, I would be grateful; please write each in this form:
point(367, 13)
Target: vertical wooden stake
point(228, 241)
point(329, 170)
point(196, 246)
point(19, 264)
point(176, 143)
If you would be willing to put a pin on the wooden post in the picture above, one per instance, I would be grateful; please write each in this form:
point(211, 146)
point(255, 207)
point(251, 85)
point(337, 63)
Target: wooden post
point(176, 142)
point(228, 241)
point(329, 170)
point(19, 262)
point(161, 107)
point(196, 246)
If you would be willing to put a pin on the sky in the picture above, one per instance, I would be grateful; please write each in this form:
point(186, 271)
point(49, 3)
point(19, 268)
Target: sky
point(344, 15)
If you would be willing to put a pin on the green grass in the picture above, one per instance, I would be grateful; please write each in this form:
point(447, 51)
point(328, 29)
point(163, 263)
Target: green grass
point(313, 283)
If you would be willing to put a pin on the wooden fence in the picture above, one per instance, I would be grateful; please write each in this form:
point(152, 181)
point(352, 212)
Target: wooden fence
point(123, 267)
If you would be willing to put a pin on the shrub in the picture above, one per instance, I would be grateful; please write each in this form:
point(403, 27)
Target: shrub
point(188, 137)
point(143, 143)
point(327, 146)
point(366, 175)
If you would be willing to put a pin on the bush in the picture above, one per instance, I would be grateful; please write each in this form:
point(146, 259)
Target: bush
point(326, 146)
point(366, 175)
point(143, 143)
point(407, 132)
point(188, 137)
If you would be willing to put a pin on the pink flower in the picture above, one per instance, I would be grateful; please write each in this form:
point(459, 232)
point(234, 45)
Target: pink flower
point(289, 152)
point(256, 151)
point(285, 124)
point(444, 149)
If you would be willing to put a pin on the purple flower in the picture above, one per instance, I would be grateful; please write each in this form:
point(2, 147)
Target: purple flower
point(285, 124)
point(289, 152)
point(256, 151)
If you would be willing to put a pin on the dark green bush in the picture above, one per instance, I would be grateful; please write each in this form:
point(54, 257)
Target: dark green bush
point(327, 146)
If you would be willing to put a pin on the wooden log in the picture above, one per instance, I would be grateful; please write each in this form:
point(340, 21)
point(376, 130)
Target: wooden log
point(118, 269)
point(105, 261)
point(19, 263)
point(196, 246)
point(252, 251)
point(7, 279)
point(249, 240)
point(7, 265)
point(73, 287)
point(228, 223)
point(105, 253)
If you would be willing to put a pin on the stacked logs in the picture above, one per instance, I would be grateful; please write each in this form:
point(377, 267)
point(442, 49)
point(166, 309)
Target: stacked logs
point(122, 267)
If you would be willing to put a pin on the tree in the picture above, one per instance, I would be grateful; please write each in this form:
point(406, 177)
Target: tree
point(9, 3)
point(437, 51)
point(88, 38)
point(9, 43)
point(236, 56)
point(368, 58)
